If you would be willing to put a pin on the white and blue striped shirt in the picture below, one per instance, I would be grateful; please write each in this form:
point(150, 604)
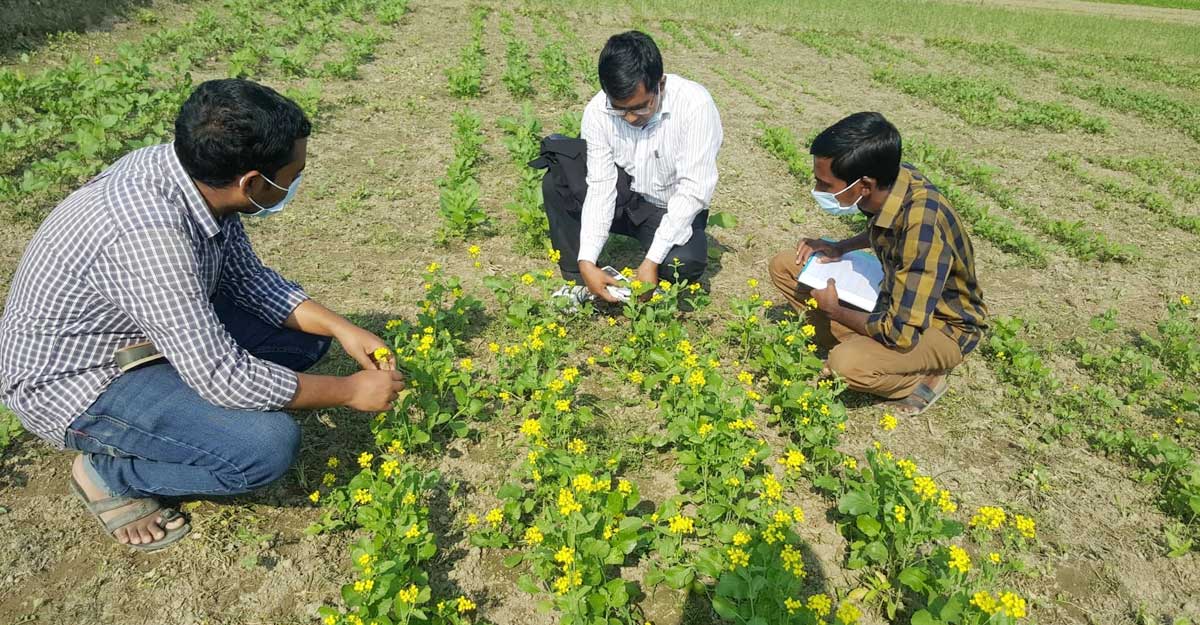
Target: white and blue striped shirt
point(136, 255)
point(673, 163)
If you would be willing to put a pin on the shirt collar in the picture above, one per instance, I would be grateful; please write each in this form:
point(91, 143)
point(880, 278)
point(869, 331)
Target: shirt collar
point(196, 205)
point(668, 90)
point(894, 204)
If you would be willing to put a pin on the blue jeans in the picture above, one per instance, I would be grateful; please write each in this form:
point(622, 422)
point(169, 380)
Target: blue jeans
point(150, 434)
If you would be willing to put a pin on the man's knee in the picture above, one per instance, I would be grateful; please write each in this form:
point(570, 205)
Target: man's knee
point(298, 351)
point(320, 347)
point(851, 366)
point(270, 447)
point(783, 269)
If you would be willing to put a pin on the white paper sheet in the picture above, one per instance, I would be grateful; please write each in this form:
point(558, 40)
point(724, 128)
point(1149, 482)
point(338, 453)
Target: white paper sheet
point(857, 276)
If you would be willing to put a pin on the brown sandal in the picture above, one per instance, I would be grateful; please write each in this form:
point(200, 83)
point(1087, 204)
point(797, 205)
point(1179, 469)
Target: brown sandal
point(921, 399)
point(139, 508)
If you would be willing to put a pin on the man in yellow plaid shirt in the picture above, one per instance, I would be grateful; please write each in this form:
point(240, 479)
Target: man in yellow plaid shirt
point(930, 312)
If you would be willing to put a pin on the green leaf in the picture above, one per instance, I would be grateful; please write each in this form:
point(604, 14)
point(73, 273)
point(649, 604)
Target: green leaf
point(617, 594)
point(722, 220)
point(654, 576)
point(868, 525)
point(712, 511)
point(659, 357)
point(914, 577)
point(876, 551)
point(597, 602)
point(427, 550)
point(598, 549)
point(725, 608)
point(678, 576)
point(614, 504)
point(688, 478)
point(527, 584)
point(950, 529)
point(510, 491)
point(923, 617)
point(856, 502)
point(480, 541)
point(514, 560)
point(952, 609)
point(826, 482)
point(709, 562)
point(625, 546)
point(731, 585)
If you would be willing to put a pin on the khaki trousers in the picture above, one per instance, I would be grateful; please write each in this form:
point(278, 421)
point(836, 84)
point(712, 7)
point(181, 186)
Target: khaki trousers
point(867, 365)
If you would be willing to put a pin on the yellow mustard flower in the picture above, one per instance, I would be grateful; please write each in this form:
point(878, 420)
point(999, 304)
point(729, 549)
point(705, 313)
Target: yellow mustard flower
point(960, 560)
point(820, 604)
point(737, 558)
point(409, 595)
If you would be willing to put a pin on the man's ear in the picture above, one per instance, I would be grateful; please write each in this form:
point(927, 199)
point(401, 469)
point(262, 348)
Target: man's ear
point(869, 185)
point(245, 180)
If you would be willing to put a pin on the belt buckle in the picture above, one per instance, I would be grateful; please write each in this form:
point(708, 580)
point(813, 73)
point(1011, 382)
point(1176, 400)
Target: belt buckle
point(136, 355)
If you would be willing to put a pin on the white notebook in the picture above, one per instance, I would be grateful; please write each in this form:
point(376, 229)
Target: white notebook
point(857, 276)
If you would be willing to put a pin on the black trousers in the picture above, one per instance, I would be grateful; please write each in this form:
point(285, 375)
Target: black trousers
point(563, 191)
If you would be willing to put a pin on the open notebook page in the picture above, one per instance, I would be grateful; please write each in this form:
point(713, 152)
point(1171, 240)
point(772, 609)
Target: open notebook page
point(856, 274)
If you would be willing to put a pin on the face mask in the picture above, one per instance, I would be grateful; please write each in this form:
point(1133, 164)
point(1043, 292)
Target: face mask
point(830, 204)
point(264, 211)
point(654, 119)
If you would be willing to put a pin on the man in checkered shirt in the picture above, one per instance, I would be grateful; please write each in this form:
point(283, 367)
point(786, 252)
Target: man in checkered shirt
point(153, 250)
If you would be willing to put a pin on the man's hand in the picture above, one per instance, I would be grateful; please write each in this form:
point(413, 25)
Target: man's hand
point(829, 251)
point(827, 298)
point(313, 318)
point(361, 346)
point(374, 391)
point(597, 281)
point(647, 273)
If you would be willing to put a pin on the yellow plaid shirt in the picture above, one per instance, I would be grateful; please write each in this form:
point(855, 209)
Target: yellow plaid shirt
point(928, 268)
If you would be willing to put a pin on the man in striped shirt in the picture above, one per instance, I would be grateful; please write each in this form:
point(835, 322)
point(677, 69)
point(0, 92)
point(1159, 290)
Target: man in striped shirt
point(153, 250)
point(930, 312)
point(651, 142)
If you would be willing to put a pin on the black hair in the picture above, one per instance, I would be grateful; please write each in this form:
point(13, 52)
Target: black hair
point(627, 60)
point(863, 144)
point(231, 126)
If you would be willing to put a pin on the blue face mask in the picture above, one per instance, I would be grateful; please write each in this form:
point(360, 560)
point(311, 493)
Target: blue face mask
point(265, 211)
point(830, 204)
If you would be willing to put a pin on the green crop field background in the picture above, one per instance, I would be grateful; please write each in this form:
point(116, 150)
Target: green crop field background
point(674, 462)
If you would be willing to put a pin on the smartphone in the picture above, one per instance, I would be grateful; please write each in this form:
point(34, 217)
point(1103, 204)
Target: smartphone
point(614, 273)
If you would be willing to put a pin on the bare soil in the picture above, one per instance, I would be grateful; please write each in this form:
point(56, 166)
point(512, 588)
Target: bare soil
point(363, 229)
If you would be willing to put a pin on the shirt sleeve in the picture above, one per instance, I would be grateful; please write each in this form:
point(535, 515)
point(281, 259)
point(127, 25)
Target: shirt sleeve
point(254, 286)
point(916, 287)
point(697, 179)
point(152, 276)
point(598, 205)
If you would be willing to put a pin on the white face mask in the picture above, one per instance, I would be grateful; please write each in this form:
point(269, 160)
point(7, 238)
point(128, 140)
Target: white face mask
point(830, 204)
point(265, 211)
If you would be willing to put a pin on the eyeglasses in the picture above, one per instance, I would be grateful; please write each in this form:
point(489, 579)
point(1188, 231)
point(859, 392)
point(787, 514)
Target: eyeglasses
point(641, 112)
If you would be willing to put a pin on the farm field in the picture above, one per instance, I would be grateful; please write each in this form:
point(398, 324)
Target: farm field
point(677, 461)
